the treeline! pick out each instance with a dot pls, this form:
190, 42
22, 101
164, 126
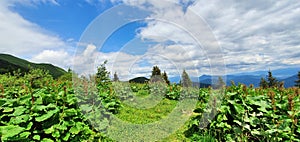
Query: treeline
157, 75
272, 82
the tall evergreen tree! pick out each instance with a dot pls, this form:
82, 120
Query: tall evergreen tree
272, 81
165, 77
220, 82
156, 71
185, 80
297, 82
116, 78
263, 83
156, 74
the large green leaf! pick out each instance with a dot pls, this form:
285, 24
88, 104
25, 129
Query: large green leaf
71, 112
29, 125
19, 110
19, 119
37, 137
10, 131
74, 130
8, 109
47, 115
47, 140
263, 105
77, 128
25, 134
50, 130
66, 137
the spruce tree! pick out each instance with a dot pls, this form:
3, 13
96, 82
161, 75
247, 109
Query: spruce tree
220, 82
156, 74
263, 83
165, 77
116, 78
297, 82
185, 80
155, 71
272, 81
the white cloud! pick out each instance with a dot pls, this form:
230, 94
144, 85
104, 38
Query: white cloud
89, 50
59, 58
87, 61
253, 35
25, 39
19, 36
193, 41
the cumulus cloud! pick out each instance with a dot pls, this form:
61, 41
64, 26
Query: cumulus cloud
23, 38
182, 29
19, 36
59, 58
199, 36
253, 35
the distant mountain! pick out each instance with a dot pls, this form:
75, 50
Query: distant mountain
244, 79
9, 63
247, 79
278, 73
290, 81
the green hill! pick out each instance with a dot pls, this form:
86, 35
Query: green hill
139, 80
9, 63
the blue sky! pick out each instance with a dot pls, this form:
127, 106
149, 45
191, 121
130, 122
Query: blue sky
203, 37
68, 19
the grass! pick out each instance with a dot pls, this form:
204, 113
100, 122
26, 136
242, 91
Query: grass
148, 116
144, 116
152, 116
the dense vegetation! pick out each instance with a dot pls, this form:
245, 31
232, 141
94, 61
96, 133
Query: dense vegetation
36, 107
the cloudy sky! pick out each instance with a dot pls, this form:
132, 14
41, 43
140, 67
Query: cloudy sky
202, 37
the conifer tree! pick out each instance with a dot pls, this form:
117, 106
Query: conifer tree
263, 83
165, 77
272, 81
155, 71
116, 78
297, 82
156, 74
185, 80
220, 82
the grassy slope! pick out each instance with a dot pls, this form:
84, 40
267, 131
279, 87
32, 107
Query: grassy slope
9, 63
144, 116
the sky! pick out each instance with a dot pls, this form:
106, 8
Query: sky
202, 37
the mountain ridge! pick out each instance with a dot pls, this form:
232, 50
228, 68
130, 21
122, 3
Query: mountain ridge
10, 63
288, 75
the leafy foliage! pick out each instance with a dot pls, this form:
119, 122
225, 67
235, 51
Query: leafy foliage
248, 114
102, 76
36, 107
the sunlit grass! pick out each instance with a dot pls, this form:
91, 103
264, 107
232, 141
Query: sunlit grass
144, 116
